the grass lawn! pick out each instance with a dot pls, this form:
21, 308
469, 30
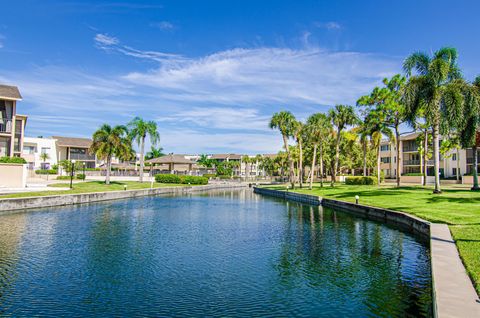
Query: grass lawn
456, 206
90, 186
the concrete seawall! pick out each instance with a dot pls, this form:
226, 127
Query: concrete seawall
16, 204
403, 220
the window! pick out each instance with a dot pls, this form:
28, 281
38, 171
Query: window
385, 159
384, 147
454, 158
454, 171
45, 150
28, 150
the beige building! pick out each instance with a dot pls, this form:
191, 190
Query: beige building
12, 124
410, 161
71, 148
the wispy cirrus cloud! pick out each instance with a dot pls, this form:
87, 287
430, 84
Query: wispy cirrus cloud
331, 25
163, 25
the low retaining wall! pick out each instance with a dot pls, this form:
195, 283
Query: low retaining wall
15, 204
403, 220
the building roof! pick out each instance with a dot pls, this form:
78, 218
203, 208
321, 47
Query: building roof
10, 92
225, 156
73, 142
270, 155
168, 159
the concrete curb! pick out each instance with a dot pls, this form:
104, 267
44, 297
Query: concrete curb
16, 204
453, 292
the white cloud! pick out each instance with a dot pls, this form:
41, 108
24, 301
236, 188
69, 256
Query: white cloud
105, 40
163, 25
328, 25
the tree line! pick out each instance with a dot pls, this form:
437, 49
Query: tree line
431, 97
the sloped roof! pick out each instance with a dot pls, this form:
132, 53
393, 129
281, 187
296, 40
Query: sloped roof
225, 156
73, 142
167, 159
10, 92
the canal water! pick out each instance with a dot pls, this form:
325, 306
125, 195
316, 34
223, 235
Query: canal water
215, 254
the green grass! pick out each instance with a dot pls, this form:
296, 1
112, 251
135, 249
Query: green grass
456, 206
89, 187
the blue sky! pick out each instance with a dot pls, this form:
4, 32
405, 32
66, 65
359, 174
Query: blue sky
211, 73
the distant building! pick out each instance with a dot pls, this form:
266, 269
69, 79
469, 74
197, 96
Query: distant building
72, 148
12, 124
33, 148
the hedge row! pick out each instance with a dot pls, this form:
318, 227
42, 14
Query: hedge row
12, 160
46, 171
361, 180
78, 176
173, 178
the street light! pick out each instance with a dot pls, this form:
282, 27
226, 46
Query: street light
84, 175
71, 173
356, 199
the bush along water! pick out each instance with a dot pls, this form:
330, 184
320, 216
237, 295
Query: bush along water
173, 178
361, 180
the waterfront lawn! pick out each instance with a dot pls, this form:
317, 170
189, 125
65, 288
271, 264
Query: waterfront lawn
90, 187
456, 206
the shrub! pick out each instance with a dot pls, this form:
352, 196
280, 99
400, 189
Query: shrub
173, 178
361, 180
209, 175
63, 178
416, 174
223, 177
168, 178
46, 171
194, 180
80, 176
12, 160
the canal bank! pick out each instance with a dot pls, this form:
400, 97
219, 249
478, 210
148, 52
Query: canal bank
453, 292
17, 204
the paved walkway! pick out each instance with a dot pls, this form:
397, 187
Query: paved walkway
455, 295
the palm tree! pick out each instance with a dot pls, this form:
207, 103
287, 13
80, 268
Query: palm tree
298, 134
341, 116
111, 141
427, 92
247, 161
469, 135
154, 153
138, 130
318, 128
284, 122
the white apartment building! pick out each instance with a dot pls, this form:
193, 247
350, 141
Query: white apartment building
34, 147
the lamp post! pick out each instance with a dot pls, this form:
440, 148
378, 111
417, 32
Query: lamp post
71, 173
84, 175
356, 199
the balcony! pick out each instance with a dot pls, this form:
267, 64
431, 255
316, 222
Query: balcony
470, 161
416, 162
410, 148
81, 157
5, 125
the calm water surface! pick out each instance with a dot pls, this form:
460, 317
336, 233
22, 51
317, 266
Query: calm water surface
227, 253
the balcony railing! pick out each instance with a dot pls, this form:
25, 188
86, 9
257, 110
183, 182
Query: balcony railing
81, 156
470, 161
410, 148
5, 125
416, 162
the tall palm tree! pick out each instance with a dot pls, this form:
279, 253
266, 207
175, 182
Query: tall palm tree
427, 91
469, 131
247, 161
341, 116
111, 141
138, 130
298, 134
284, 122
318, 128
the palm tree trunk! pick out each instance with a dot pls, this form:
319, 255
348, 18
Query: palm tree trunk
142, 158
379, 179
107, 174
436, 157
397, 144
457, 174
300, 168
290, 161
425, 157
337, 158
364, 158
312, 174
321, 166
475, 167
